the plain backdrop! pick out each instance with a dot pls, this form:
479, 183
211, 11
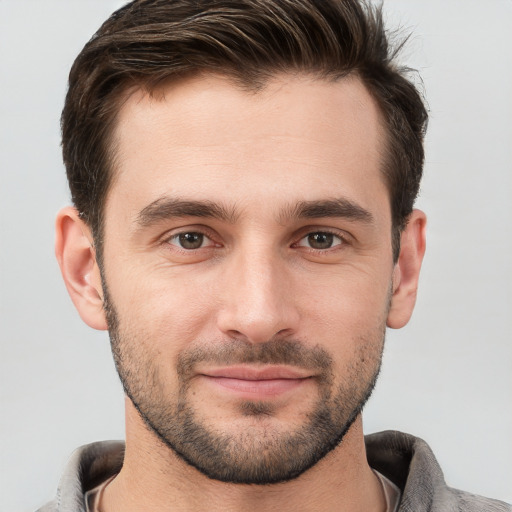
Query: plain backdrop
447, 376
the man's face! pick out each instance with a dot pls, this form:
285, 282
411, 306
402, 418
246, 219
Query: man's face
248, 265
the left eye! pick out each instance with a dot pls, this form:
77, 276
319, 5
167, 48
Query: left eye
190, 240
320, 240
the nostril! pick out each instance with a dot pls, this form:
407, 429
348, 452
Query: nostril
283, 333
232, 333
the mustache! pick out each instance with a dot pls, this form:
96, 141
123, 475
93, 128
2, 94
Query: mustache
275, 351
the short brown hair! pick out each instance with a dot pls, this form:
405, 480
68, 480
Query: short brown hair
148, 42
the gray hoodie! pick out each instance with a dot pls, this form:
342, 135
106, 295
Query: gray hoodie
405, 460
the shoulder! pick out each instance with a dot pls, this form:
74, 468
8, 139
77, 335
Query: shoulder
448, 499
409, 462
473, 503
87, 467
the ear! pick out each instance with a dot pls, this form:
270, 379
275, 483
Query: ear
407, 270
77, 260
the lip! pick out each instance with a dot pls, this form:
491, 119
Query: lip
257, 373
256, 383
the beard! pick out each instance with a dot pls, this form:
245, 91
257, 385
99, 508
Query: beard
261, 453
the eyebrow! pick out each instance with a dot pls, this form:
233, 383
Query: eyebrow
173, 207
170, 207
340, 207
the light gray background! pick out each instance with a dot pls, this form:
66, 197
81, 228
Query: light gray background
447, 376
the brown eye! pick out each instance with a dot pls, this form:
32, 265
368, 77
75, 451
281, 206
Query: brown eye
320, 240
191, 240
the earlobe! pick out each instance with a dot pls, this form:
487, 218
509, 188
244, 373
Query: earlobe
77, 260
407, 270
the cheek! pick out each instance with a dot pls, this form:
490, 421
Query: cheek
348, 316
170, 308
347, 297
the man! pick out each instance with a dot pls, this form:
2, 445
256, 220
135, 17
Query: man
243, 176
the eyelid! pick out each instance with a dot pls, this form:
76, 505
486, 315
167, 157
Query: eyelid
204, 242
341, 240
345, 237
203, 230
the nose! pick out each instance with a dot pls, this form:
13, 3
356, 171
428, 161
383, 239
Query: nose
258, 303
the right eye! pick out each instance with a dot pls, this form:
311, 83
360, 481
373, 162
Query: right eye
190, 240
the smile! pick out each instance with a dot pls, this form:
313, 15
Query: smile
257, 383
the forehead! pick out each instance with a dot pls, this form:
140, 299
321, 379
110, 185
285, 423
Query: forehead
205, 136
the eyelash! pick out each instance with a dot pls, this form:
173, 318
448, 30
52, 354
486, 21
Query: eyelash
193, 231
343, 240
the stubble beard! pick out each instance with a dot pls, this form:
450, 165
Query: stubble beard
262, 454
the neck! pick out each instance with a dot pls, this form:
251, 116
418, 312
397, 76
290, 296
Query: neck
154, 478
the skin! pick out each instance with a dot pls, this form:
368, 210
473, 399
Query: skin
256, 276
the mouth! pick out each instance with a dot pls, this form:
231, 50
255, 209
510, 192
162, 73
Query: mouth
256, 383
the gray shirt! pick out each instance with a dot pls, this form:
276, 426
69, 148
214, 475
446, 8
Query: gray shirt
405, 460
